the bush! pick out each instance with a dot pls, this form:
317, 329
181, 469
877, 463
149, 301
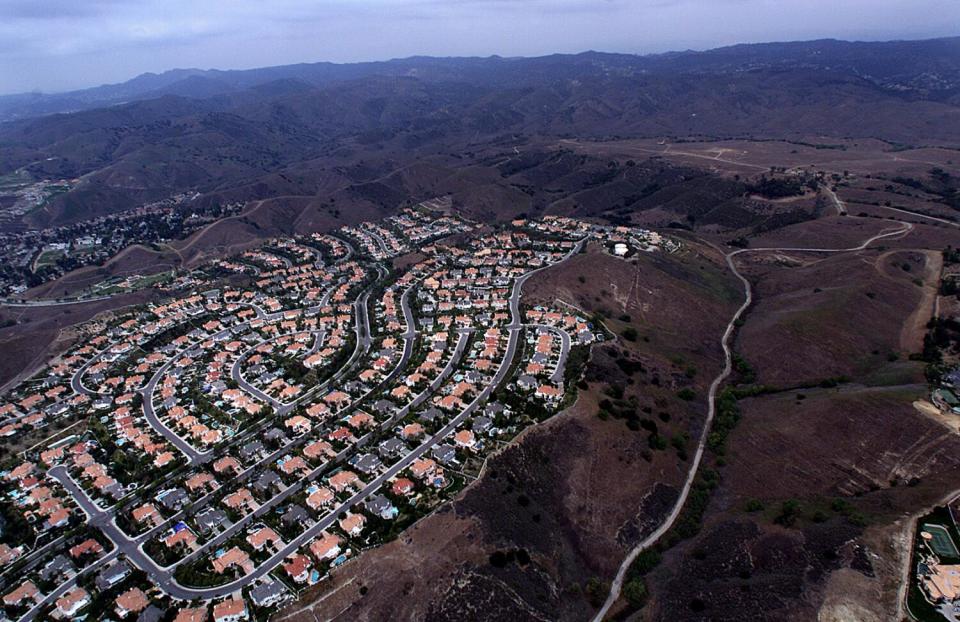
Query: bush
686, 394
630, 333
596, 591
789, 513
635, 591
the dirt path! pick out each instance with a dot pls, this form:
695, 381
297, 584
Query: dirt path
915, 326
617, 584
840, 205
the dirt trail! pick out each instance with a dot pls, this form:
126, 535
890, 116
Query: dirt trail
915, 326
617, 585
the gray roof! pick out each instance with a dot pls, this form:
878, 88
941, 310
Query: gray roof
150, 614
173, 499
266, 480
251, 449
430, 414
392, 447
368, 463
378, 504
210, 518
295, 514
265, 592
384, 406
444, 453
55, 567
493, 408
481, 424
113, 574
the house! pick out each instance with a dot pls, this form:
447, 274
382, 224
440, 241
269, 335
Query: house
131, 601
87, 547
174, 499
423, 468
252, 451
268, 594
112, 575
200, 481
361, 420
151, 614
342, 480
481, 425
411, 431
59, 566
391, 447
181, 536
384, 407
230, 610
198, 614
275, 437
352, 524
298, 568
341, 434
402, 487
298, 424
526, 381
368, 463
9, 554
294, 516
235, 557
549, 392
25, 591
267, 482
227, 464
209, 520
318, 449
327, 546
72, 602
242, 498
445, 454
262, 538
147, 513
319, 498
465, 439
430, 415
379, 505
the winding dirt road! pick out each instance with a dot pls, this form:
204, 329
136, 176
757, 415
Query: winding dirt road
664, 527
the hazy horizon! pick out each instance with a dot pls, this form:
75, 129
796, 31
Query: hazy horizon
62, 45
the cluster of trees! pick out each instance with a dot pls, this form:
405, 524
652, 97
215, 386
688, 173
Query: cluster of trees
781, 187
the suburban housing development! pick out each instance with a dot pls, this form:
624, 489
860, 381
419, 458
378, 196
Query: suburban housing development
213, 454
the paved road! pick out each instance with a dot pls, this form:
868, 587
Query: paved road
557, 376
76, 380
665, 526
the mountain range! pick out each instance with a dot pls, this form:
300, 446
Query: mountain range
211, 131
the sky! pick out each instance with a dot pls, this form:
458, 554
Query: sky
58, 45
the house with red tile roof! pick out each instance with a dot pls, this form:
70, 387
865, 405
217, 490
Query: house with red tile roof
130, 602
353, 524
298, 568
230, 610
327, 546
